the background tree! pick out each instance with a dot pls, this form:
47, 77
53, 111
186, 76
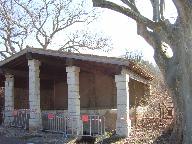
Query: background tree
86, 39
39, 22
13, 28
172, 45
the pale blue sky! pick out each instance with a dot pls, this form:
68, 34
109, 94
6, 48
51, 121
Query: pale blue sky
122, 29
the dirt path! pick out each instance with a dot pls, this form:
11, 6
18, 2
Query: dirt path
10, 140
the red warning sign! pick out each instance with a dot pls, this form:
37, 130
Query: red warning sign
14, 112
51, 116
85, 118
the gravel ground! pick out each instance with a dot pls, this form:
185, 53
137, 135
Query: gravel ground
19, 136
11, 140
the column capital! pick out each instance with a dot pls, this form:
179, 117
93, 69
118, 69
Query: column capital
122, 78
34, 63
124, 71
9, 76
72, 69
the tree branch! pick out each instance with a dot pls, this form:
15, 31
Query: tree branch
184, 10
126, 11
158, 35
155, 41
12, 26
131, 5
86, 41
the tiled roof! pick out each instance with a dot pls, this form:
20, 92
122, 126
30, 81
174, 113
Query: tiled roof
85, 57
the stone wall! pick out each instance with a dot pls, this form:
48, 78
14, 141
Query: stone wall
105, 91
97, 95
96, 91
21, 98
60, 94
136, 91
21, 93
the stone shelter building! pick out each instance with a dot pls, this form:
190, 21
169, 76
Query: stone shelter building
46, 80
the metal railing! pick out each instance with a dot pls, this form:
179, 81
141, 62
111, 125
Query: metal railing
61, 123
54, 122
93, 125
90, 125
85, 125
21, 118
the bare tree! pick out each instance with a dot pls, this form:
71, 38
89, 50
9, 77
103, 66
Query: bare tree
13, 28
158, 8
52, 16
86, 39
41, 21
172, 45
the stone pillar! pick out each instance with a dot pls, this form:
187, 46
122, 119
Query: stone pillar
147, 89
74, 98
35, 121
9, 99
123, 123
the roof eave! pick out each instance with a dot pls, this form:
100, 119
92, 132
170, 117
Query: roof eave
7, 60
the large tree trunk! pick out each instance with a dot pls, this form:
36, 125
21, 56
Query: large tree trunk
177, 69
178, 75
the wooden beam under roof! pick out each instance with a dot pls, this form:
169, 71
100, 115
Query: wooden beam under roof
25, 74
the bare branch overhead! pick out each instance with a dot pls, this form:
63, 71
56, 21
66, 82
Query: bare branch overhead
61, 15
40, 22
82, 40
13, 28
126, 11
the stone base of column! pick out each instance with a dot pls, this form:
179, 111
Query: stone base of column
75, 125
7, 121
35, 125
123, 128
8, 118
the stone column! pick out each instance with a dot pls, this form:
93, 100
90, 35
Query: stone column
74, 98
9, 99
35, 121
123, 123
147, 89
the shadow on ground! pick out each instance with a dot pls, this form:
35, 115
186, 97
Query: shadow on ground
164, 138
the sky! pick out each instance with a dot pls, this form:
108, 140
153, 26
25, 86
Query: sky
123, 30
